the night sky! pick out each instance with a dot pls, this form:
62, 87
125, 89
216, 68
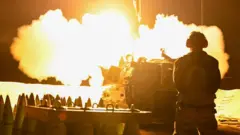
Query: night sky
222, 13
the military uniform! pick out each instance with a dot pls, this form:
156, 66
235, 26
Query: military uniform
195, 107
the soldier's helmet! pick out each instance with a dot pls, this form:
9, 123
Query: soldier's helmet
197, 40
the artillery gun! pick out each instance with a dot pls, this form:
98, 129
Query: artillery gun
149, 87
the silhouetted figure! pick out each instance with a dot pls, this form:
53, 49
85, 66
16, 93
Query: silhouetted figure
51, 80
86, 82
127, 68
197, 78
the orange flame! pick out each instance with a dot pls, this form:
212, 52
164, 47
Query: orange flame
70, 51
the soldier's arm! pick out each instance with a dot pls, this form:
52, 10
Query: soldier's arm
215, 77
164, 55
177, 75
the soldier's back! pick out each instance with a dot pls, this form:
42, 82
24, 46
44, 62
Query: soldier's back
197, 78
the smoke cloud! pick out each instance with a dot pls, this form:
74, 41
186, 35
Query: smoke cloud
216, 47
172, 34
70, 51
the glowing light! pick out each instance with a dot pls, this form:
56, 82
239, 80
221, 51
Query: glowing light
72, 51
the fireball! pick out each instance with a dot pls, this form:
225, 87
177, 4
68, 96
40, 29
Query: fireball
70, 51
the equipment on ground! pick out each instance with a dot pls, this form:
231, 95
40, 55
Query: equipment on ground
56, 115
151, 88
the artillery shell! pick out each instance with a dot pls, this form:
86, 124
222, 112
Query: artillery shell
28, 123
89, 103
27, 99
78, 102
20, 113
23, 95
31, 100
58, 97
69, 102
37, 101
1, 108
63, 101
7, 118
18, 101
101, 103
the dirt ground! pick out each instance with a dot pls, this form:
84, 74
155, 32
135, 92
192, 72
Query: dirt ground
165, 133
223, 130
